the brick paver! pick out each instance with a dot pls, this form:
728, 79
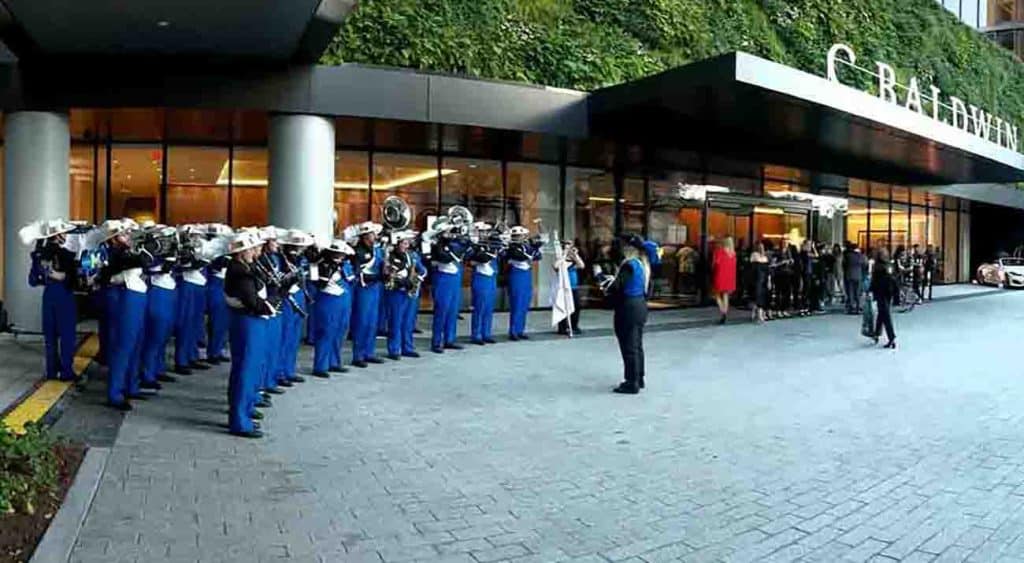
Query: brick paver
791, 441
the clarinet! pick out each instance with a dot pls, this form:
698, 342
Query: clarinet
301, 276
276, 279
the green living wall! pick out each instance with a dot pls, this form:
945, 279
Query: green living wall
587, 44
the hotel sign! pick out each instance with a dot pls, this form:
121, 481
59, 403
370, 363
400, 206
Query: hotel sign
950, 110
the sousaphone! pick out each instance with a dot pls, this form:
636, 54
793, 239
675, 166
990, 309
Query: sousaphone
395, 214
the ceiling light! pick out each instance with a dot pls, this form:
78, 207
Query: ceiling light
163, 23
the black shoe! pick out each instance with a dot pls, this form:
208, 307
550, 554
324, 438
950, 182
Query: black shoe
264, 404
285, 383
641, 383
490, 341
275, 391
123, 406
150, 385
321, 374
477, 341
250, 434
297, 379
201, 366
394, 357
166, 378
138, 397
626, 389
256, 415
891, 345
337, 369
513, 338
523, 337
417, 331
437, 350
214, 361
374, 360
722, 320
411, 354
453, 346
576, 331
360, 364
182, 370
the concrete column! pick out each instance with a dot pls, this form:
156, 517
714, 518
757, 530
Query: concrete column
37, 155
301, 193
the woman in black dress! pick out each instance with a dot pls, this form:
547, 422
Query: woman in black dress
759, 273
884, 289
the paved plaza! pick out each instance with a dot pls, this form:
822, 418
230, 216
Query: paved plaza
793, 440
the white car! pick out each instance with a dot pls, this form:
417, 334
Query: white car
1004, 272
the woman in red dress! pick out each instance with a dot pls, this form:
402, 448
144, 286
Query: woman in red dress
723, 275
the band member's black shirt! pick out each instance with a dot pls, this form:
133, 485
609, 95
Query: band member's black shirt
242, 288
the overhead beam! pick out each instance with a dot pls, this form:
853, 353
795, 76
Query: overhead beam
322, 28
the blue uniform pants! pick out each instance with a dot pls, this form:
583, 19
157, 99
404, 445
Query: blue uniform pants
328, 338
291, 337
313, 292
383, 316
247, 357
189, 321
409, 324
160, 316
398, 303
218, 310
520, 292
272, 341
126, 346
366, 307
59, 317
446, 292
451, 329
485, 293
109, 302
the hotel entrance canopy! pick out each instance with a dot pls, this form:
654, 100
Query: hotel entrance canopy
753, 109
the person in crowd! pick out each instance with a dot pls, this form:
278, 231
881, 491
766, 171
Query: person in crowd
446, 256
219, 315
628, 293
783, 274
520, 256
334, 277
412, 312
293, 249
191, 305
483, 258
161, 315
807, 258
917, 274
884, 288
400, 281
246, 295
854, 265
931, 268
723, 276
571, 255
54, 268
368, 264
759, 274
834, 274
122, 276
270, 265
686, 259
901, 270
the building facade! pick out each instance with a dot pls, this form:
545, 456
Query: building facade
734, 146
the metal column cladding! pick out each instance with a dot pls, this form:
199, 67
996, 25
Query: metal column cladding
37, 147
301, 193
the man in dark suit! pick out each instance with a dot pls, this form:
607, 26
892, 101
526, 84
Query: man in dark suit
854, 266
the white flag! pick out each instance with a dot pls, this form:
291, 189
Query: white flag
562, 305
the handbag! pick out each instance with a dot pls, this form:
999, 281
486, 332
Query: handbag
867, 325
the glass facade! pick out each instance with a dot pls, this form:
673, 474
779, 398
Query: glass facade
191, 166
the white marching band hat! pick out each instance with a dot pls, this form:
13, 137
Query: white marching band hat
341, 247
482, 226
44, 229
111, 228
295, 237
399, 236
519, 231
368, 227
219, 230
244, 240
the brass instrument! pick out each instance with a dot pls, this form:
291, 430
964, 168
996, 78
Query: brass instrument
277, 279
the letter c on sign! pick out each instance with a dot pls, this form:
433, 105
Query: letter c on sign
832, 53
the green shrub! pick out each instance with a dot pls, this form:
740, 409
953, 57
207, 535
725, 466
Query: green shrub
29, 468
587, 44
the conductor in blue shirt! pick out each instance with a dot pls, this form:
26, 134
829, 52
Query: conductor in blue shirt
628, 291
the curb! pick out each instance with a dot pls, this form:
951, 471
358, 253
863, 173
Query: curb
61, 535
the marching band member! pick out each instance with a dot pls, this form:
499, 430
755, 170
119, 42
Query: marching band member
520, 256
484, 260
246, 296
334, 277
217, 309
54, 268
447, 287
161, 307
413, 310
629, 293
293, 258
271, 266
401, 282
368, 263
191, 306
126, 307
571, 255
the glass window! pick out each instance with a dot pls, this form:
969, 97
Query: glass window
82, 183
900, 194
197, 125
351, 188
969, 12
249, 187
857, 222
878, 233
533, 191
135, 182
676, 225
595, 210
197, 185
879, 191
949, 248
135, 124
918, 227
965, 247
352, 131
475, 184
405, 135
633, 205
858, 188
412, 178
776, 225
918, 196
899, 225
251, 127
88, 124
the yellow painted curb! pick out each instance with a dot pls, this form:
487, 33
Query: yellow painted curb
42, 399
